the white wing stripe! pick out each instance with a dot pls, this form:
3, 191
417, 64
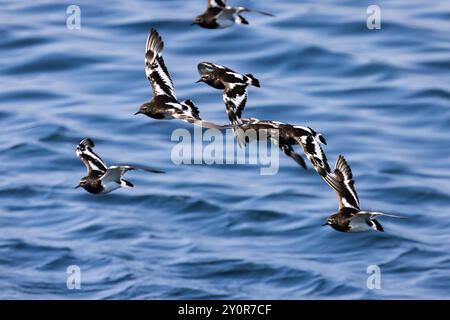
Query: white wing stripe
92, 164
237, 75
347, 204
350, 190
165, 78
237, 101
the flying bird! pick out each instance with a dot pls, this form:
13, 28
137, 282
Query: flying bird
101, 179
218, 15
164, 104
349, 218
234, 86
285, 136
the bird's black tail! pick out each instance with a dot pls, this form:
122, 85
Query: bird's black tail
240, 19
126, 184
377, 226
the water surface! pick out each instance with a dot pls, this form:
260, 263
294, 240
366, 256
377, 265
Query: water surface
380, 97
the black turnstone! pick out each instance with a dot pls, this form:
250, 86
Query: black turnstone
234, 86
218, 15
100, 178
285, 136
349, 218
164, 104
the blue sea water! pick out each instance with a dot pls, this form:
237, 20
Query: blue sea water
380, 97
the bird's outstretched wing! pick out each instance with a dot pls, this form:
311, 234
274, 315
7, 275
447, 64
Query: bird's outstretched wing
91, 160
280, 141
255, 129
155, 69
272, 132
235, 98
234, 87
224, 75
304, 131
314, 152
188, 112
186, 108
374, 214
343, 184
185, 111
115, 173
197, 122
289, 151
243, 9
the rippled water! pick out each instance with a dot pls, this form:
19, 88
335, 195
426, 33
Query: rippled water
381, 98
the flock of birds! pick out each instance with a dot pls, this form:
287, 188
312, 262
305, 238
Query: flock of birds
101, 179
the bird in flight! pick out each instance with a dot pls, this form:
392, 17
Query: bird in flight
285, 136
101, 179
234, 86
350, 217
218, 15
164, 104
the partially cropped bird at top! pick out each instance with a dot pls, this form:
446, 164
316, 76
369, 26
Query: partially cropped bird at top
218, 15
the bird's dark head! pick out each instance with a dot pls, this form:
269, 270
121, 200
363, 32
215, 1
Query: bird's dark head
144, 109
331, 221
90, 184
200, 20
207, 73
204, 78
84, 182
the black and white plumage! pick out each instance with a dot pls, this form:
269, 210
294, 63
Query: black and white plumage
349, 218
164, 104
313, 151
102, 179
285, 136
218, 15
234, 86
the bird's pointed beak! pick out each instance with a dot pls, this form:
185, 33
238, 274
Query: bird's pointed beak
138, 112
193, 23
325, 224
77, 186
199, 80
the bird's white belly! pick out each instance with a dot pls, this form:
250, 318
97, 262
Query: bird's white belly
226, 19
110, 186
356, 226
